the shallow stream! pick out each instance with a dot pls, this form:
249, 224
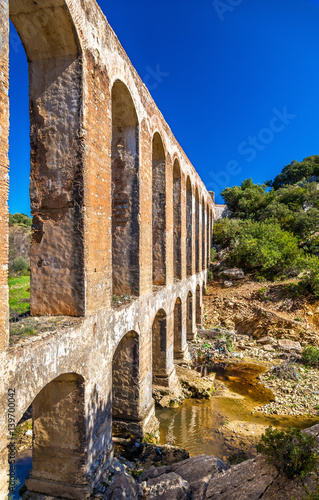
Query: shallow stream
226, 424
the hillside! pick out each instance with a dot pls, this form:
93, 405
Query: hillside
272, 232
19, 243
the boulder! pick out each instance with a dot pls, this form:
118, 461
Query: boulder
268, 348
289, 345
232, 274
266, 340
198, 471
166, 487
248, 480
152, 473
200, 387
228, 284
122, 487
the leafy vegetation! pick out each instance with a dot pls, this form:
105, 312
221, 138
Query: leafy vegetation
20, 219
20, 265
291, 451
19, 244
19, 296
273, 227
310, 356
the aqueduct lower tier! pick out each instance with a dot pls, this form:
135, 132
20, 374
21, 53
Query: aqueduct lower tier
118, 212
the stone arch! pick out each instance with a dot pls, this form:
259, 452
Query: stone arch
125, 382
159, 210
178, 329
198, 306
159, 347
53, 50
196, 230
203, 235
125, 192
59, 439
177, 220
189, 316
189, 227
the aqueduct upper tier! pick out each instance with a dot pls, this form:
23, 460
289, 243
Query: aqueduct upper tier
120, 216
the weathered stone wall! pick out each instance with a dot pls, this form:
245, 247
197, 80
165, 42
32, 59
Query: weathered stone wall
177, 214
108, 179
189, 227
125, 193
221, 211
159, 212
4, 172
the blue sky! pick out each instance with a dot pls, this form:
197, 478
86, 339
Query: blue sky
236, 80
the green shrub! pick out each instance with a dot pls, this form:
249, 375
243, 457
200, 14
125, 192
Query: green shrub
21, 219
291, 451
20, 265
310, 281
267, 249
310, 356
213, 254
210, 276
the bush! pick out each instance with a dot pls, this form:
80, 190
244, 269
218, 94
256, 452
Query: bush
310, 281
20, 219
285, 371
268, 249
213, 255
291, 451
20, 265
310, 356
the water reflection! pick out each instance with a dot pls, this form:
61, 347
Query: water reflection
23, 467
225, 424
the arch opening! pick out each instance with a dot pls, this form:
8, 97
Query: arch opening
189, 317
125, 384
178, 330
125, 193
59, 455
197, 231
159, 210
49, 38
177, 220
198, 306
159, 347
189, 227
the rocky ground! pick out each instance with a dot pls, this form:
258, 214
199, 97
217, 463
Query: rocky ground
250, 330
263, 324
203, 478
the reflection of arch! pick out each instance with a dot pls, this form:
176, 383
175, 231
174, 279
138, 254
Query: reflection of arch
178, 329
203, 235
159, 345
59, 438
189, 227
196, 231
189, 316
198, 306
125, 381
125, 192
56, 188
159, 210
177, 220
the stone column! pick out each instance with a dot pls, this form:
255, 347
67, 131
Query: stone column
180, 332
59, 456
4, 173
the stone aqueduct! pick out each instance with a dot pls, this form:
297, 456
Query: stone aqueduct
117, 210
